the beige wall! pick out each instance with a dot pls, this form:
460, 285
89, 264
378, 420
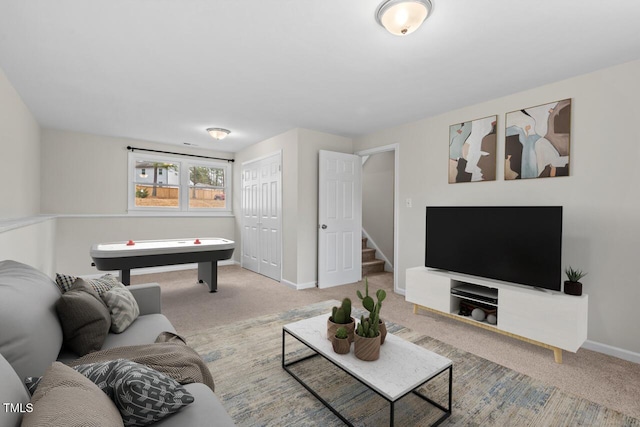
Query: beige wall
32, 244
19, 155
87, 174
299, 196
377, 200
85, 181
600, 198
22, 237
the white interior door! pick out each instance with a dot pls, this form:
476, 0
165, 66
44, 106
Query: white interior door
270, 217
262, 216
250, 217
340, 219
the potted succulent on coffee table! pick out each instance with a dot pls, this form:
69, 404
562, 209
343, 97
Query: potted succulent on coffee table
573, 285
341, 316
340, 341
367, 302
368, 337
366, 345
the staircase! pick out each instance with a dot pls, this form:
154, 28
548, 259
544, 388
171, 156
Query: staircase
370, 264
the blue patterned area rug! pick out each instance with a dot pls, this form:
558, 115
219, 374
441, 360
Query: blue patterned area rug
245, 360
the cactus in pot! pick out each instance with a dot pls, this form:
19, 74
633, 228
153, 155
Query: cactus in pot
340, 341
368, 338
374, 307
341, 316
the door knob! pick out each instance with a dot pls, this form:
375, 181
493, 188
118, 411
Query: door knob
324, 226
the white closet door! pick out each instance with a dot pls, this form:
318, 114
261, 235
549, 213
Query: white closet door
262, 216
250, 217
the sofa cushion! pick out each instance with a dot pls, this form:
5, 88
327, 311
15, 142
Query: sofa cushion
11, 391
122, 306
31, 335
84, 317
67, 398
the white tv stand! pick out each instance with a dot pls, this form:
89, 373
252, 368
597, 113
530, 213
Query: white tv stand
549, 319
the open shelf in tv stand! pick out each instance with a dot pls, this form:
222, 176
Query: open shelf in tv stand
550, 319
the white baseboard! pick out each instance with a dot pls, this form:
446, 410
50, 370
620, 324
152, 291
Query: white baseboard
161, 269
610, 350
298, 286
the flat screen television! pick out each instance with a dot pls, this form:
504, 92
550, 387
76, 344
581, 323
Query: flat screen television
517, 244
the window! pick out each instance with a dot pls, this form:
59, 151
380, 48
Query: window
168, 184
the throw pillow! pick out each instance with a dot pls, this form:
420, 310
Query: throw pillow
142, 395
67, 398
104, 283
101, 285
122, 306
84, 318
65, 282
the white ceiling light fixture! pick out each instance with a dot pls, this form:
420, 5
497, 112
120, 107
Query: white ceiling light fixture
218, 133
402, 17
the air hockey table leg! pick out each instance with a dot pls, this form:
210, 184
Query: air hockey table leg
125, 277
208, 273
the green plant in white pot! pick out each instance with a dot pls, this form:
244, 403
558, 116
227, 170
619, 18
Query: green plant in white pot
573, 285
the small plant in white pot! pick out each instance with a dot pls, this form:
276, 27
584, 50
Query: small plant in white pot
573, 285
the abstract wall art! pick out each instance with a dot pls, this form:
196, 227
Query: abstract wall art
472, 150
537, 141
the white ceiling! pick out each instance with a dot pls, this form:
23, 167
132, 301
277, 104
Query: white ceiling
164, 70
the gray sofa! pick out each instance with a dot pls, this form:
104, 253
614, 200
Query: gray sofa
31, 340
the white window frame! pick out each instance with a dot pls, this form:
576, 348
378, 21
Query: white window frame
183, 164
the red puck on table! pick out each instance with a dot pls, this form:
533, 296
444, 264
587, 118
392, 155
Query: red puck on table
197, 242
130, 243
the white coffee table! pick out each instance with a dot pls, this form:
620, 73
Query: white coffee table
402, 368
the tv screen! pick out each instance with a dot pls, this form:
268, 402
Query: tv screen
517, 244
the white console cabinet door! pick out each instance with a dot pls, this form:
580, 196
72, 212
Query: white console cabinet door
552, 318
428, 290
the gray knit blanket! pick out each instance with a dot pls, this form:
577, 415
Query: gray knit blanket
174, 359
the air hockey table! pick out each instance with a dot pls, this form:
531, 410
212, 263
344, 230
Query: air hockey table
124, 256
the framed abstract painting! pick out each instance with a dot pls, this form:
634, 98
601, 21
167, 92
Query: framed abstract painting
537, 141
472, 150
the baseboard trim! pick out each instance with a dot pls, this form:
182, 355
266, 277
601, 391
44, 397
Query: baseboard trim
161, 269
298, 286
610, 350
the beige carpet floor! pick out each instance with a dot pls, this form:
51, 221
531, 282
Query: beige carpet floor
242, 295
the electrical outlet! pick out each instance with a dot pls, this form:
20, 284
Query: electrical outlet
409, 203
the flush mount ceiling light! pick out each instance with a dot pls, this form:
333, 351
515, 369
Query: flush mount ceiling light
402, 17
218, 133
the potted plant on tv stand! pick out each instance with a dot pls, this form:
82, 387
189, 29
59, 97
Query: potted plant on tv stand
573, 285
341, 316
368, 303
340, 341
